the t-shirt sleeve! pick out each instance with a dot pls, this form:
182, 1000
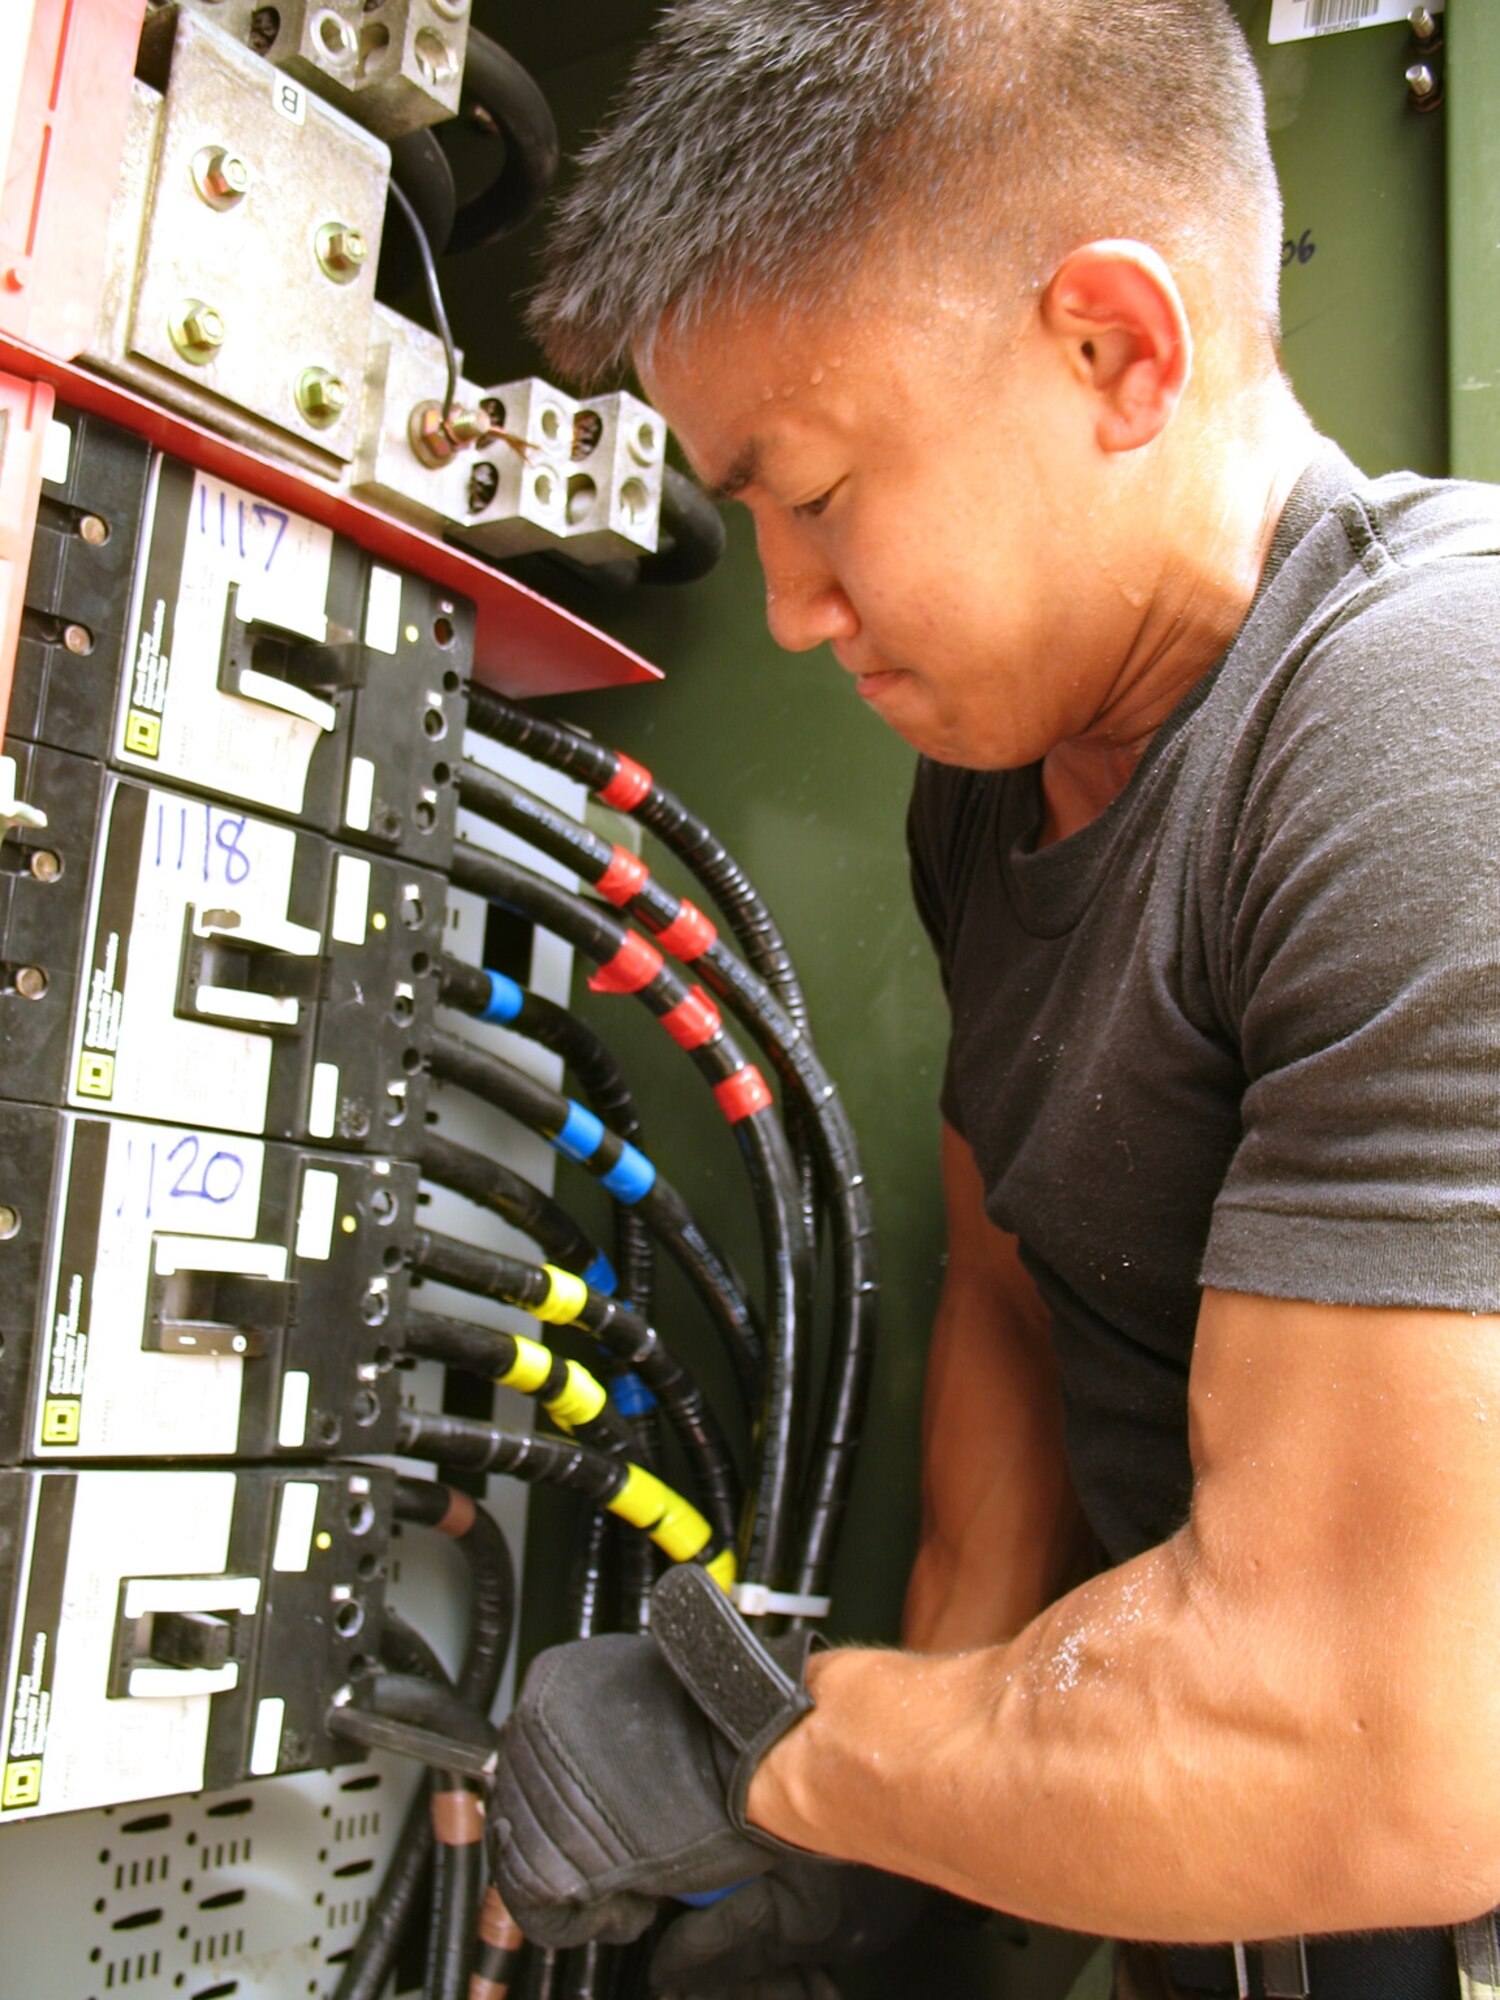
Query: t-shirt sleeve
1358, 961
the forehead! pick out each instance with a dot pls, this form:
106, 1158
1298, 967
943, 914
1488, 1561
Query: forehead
747, 389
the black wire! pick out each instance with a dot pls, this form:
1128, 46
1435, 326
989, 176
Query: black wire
637, 1344
837, 1160
434, 294
544, 1110
603, 1084
491, 1184
771, 1528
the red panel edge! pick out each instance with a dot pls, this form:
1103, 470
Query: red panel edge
26, 407
523, 644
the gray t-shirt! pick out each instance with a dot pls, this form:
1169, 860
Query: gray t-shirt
1244, 1029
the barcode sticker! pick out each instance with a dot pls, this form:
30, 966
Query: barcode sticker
1300, 20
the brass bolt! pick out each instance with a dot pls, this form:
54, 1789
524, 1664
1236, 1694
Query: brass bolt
220, 176
93, 530
31, 982
342, 251
197, 331
78, 639
45, 865
321, 397
436, 442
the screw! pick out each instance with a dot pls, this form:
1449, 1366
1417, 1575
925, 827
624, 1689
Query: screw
10, 1221
434, 442
31, 982
342, 251
321, 397
45, 865
93, 530
197, 331
1423, 24
78, 639
1422, 88
220, 176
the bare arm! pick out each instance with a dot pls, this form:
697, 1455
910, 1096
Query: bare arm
1002, 1531
1281, 1720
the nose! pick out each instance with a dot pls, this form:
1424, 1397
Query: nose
805, 602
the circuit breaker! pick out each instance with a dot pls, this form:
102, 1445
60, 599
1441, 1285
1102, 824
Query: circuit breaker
169, 1631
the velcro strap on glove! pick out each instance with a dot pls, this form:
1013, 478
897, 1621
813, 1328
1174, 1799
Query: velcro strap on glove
745, 1692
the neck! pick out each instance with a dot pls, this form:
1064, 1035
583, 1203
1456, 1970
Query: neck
1205, 584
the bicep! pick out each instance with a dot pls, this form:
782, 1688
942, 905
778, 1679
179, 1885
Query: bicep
1347, 1495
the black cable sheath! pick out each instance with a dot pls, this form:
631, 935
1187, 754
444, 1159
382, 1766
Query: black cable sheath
787, 1249
694, 843
491, 1184
492, 1609
490, 1352
636, 1346
837, 1159
510, 106
533, 1104
602, 1082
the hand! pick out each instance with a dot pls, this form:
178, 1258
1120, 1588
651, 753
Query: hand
614, 1788
801, 1914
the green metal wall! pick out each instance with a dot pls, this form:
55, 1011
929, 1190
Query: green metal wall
809, 789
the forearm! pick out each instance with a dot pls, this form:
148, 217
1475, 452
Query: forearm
1154, 1757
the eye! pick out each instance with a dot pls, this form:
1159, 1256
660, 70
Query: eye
811, 509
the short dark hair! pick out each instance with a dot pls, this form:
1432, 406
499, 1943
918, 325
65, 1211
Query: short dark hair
762, 150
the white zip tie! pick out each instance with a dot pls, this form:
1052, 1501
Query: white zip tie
758, 1600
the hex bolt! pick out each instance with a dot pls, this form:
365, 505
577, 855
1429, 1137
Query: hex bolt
220, 176
78, 639
197, 331
31, 982
342, 250
93, 530
45, 865
321, 396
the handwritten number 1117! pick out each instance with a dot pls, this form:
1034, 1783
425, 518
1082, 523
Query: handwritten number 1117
224, 520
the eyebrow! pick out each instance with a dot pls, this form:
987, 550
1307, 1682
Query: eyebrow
741, 473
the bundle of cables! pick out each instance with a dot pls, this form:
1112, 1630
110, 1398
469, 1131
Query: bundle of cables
626, 1405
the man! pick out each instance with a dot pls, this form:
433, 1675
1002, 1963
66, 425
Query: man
973, 305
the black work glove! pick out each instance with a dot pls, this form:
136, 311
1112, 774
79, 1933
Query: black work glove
801, 1914
617, 1785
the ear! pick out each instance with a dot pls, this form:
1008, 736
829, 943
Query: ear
1116, 309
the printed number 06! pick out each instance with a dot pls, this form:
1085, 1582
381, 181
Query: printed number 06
1300, 252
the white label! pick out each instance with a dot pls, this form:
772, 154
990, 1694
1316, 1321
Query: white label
1300, 20
199, 1189
291, 1431
383, 611
196, 858
320, 1195
323, 1100
57, 452
172, 1683
290, 99
361, 794
129, 1525
351, 899
294, 1531
242, 559
265, 1745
